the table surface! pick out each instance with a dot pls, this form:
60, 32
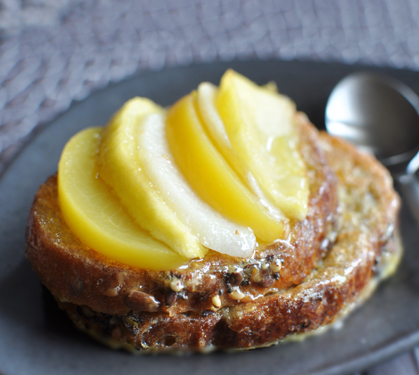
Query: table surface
54, 52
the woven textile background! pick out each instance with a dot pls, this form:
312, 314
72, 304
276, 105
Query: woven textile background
55, 51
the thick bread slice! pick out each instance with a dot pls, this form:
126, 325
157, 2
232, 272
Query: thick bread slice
74, 273
182, 309
365, 250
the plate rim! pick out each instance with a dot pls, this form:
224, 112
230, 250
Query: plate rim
355, 364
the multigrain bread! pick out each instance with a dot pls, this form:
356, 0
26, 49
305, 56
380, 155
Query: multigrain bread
219, 301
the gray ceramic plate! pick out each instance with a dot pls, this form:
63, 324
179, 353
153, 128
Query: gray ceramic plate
37, 338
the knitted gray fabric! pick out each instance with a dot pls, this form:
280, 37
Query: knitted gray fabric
55, 51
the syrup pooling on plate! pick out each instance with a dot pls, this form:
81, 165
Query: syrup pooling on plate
190, 191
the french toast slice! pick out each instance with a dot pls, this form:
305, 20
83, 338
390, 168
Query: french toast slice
219, 301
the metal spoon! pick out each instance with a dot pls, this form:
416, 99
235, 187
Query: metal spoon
380, 115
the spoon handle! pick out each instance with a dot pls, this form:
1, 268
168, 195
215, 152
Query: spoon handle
413, 165
410, 190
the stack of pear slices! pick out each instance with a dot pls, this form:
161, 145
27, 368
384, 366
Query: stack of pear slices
219, 170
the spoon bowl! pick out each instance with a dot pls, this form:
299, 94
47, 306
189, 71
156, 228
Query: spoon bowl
378, 114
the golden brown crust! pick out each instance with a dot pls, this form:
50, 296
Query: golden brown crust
263, 322
106, 297
91, 279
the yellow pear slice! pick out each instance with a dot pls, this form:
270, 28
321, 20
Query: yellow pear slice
210, 175
94, 214
259, 126
212, 229
122, 170
214, 126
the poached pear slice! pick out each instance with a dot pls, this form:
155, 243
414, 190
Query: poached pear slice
121, 167
96, 217
210, 227
259, 126
211, 176
214, 126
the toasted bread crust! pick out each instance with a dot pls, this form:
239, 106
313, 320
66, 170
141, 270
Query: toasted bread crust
261, 323
107, 286
201, 306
